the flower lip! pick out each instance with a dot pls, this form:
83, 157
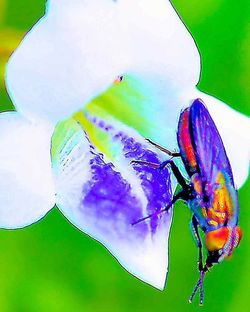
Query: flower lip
113, 194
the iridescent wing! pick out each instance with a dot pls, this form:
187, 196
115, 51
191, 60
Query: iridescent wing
208, 146
206, 161
214, 169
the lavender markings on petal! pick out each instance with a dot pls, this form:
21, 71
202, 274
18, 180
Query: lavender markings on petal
110, 197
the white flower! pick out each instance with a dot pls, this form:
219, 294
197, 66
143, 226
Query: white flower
70, 57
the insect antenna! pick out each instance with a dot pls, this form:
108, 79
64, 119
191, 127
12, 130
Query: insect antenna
199, 284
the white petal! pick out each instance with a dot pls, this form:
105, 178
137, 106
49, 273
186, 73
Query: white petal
234, 129
151, 109
159, 45
103, 194
78, 48
69, 56
26, 187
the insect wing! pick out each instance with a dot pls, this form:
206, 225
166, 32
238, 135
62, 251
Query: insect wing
208, 146
214, 172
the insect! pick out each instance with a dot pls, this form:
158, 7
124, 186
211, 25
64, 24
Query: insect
210, 192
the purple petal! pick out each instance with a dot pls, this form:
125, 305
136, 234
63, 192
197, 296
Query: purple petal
103, 195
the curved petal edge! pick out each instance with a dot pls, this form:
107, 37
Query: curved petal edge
26, 184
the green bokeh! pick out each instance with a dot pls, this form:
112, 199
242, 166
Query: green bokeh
51, 266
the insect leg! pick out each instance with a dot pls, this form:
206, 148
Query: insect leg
146, 163
149, 164
194, 227
163, 149
186, 192
173, 166
176, 173
175, 198
199, 284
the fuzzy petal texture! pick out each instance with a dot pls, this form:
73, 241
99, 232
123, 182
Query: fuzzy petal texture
26, 185
102, 194
72, 54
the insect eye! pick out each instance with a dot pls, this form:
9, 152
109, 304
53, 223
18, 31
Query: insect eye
216, 240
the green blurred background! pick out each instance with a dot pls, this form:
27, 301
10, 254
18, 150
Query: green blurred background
51, 266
